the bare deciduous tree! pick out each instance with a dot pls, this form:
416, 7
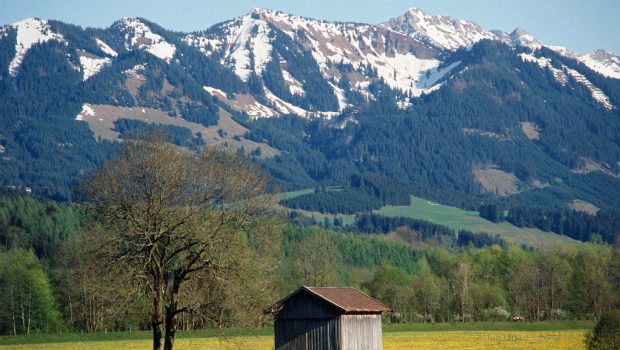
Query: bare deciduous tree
316, 260
170, 213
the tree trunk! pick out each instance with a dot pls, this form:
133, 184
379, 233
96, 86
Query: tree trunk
170, 330
21, 306
29, 315
157, 317
171, 313
13, 311
70, 312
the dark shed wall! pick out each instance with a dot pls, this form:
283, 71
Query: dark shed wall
307, 322
308, 334
361, 332
304, 306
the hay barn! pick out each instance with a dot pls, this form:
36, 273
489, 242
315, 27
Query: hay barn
328, 318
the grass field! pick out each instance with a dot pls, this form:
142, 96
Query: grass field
293, 194
470, 220
503, 335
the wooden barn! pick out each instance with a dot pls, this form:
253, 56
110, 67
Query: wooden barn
328, 318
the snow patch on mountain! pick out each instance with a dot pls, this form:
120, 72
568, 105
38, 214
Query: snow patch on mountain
30, 31
597, 94
543, 63
135, 70
106, 48
342, 100
283, 106
251, 107
245, 38
403, 103
206, 45
294, 86
287, 108
408, 73
215, 91
602, 62
139, 35
92, 65
87, 111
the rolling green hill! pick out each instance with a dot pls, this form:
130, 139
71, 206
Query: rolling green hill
459, 219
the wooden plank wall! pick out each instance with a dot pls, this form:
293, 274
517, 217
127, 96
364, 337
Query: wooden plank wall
307, 334
304, 306
361, 332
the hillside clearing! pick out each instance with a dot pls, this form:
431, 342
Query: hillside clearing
101, 118
496, 181
583, 206
460, 219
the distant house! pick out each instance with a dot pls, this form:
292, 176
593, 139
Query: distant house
328, 318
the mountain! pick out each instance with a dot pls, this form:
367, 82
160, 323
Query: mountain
442, 107
452, 34
316, 67
443, 32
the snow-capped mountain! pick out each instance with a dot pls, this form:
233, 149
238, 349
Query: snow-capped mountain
444, 32
419, 97
601, 61
310, 67
139, 36
29, 32
359, 53
452, 34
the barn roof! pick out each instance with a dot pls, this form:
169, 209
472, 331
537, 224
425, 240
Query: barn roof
347, 299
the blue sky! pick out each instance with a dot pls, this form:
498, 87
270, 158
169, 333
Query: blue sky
580, 25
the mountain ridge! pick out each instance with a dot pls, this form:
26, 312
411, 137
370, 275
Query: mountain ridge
371, 99
415, 23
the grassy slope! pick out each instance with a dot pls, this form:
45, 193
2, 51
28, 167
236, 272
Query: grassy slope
452, 217
293, 194
470, 220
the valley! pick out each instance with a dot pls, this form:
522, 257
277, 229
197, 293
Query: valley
156, 180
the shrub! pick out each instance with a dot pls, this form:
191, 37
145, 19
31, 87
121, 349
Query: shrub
606, 333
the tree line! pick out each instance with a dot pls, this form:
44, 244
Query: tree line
578, 225
467, 284
62, 288
602, 225
366, 191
